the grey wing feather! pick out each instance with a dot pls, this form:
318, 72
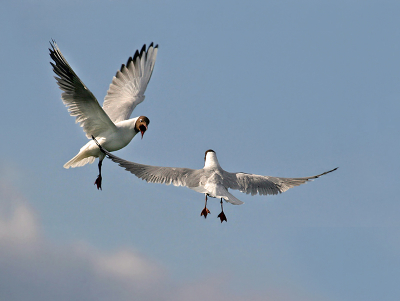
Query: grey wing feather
157, 174
263, 185
77, 97
129, 84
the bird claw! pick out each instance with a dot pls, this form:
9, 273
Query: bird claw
222, 217
98, 182
204, 212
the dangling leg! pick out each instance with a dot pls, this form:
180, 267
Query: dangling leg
205, 211
98, 180
222, 216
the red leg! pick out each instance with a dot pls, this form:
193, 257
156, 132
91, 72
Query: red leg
205, 211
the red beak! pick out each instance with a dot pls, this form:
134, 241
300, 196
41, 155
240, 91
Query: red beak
143, 129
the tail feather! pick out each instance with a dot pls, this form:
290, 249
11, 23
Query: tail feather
232, 199
79, 160
221, 192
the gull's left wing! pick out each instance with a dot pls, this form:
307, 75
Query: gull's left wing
129, 84
264, 185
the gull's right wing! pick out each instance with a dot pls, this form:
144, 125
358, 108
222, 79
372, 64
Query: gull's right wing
80, 101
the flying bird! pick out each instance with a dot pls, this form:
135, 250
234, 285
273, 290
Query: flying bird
212, 180
110, 124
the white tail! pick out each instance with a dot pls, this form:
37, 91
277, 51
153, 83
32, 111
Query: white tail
79, 160
232, 199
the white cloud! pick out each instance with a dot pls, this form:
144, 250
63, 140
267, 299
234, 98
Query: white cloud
21, 227
33, 268
18, 222
125, 265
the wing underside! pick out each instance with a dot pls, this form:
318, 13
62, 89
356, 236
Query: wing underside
80, 102
157, 174
127, 88
264, 185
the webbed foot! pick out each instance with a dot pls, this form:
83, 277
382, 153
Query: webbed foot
98, 182
205, 212
222, 216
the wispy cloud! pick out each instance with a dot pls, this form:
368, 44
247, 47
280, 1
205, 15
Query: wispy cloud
34, 268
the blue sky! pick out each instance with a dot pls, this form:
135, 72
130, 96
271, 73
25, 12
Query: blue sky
281, 88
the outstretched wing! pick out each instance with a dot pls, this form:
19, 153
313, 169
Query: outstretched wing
129, 84
80, 102
157, 174
263, 185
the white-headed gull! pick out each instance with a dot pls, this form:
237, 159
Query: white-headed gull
111, 124
212, 180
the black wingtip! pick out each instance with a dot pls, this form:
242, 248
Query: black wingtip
329, 171
143, 50
129, 60
137, 54
53, 45
94, 139
152, 45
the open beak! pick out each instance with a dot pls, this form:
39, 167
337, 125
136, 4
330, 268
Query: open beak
143, 129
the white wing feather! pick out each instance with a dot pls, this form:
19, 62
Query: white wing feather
263, 185
157, 174
129, 84
80, 102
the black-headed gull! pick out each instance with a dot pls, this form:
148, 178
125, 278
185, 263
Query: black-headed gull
212, 180
111, 124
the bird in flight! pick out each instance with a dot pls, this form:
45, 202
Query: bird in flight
110, 124
211, 180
